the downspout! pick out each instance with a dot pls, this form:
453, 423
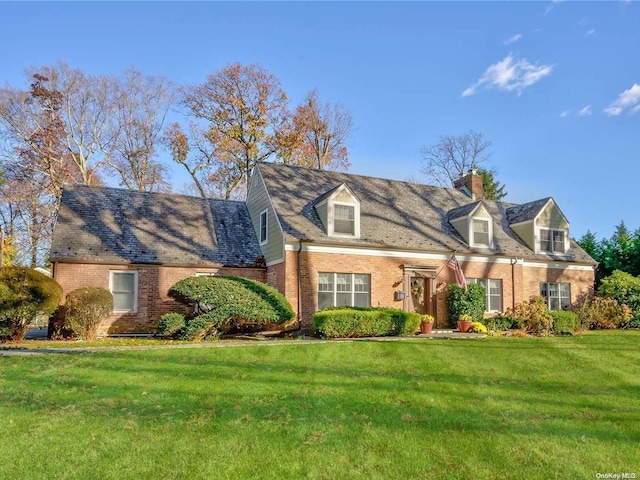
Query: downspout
514, 261
299, 285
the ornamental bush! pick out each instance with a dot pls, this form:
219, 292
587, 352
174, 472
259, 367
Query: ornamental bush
84, 309
471, 302
25, 294
501, 323
533, 315
171, 324
222, 301
565, 322
624, 288
350, 322
603, 313
477, 327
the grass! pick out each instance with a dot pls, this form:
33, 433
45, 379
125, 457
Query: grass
534, 408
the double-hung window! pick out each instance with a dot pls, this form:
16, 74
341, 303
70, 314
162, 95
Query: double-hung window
551, 241
343, 289
480, 232
558, 295
123, 285
493, 291
264, 232
344, 219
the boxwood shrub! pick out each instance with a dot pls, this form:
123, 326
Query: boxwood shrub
470, 301
501, 323
171, 325
565, 321
25, 294
224, 300
351, 322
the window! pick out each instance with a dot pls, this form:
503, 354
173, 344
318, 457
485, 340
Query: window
481, 232
344, 219
551, 240
263, 228
124, 288
344, 289
493, 291
558, 295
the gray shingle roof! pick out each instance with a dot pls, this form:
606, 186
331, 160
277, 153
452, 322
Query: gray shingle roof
102, 224
393, 214
526, 211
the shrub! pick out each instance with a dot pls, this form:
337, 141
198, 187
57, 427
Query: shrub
624, 288
85, 308
171, 325
351, 322
477, 327
533, 315
471, 302
603, 313
198, 329
25, 294
501, 323
565, 322
227, 300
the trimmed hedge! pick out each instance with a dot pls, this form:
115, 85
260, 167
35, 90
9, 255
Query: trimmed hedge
85, 308
501, 323
225, 300
565, 321
171, 324
24, 295
350, 322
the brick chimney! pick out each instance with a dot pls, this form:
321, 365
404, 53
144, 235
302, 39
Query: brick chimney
471, 184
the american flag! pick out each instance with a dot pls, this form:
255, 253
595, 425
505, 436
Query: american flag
455, 266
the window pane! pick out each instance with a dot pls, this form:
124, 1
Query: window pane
325, 282
343, 282
123, 282
564, 290
481, 232
495, 287
558, 241
343, 299
344, 219
545, 240
122, 301
361, 283
325, 300
362, 300
554, 304
263, 226
495, 304
544, 291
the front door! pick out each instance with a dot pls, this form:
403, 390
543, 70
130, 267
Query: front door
419, 294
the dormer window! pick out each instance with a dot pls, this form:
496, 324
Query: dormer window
552, 241
339, 211
344, 219
480, 232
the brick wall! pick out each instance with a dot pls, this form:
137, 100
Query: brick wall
386, 272
153, 284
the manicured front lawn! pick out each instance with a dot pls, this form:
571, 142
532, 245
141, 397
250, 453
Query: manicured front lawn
492, 408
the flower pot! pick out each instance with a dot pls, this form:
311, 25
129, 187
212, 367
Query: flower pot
425, 327
464, 326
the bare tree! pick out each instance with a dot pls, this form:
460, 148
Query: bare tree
453, 156
141, 104
323, 130
243, 106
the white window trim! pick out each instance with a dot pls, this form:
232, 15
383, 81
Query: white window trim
335, 287
135, 289
472, 232
265, 212
488, 295
559, 298
356, 219
551, 230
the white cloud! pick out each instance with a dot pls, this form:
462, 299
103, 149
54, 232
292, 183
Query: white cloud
585, 111
513, 39
628, 99
551, 5
590, 32
510, 75
565, 113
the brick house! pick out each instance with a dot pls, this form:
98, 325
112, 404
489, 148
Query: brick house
323, 239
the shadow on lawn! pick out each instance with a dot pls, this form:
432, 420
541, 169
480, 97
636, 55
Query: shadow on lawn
174, 387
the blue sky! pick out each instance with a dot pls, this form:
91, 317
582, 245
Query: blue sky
555, 86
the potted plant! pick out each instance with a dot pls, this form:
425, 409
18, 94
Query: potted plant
426, 324
464, 322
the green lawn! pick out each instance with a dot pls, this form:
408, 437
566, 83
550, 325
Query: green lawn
490, 408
